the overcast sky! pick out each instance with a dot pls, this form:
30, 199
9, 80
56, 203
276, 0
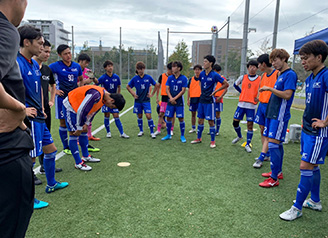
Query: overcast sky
141, 20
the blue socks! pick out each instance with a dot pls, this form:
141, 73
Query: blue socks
262, 156
304, 187
182, 128
84, 142
276, 160
249, 137
140, 124
315, 191
193, 127
151, 126
218, 124
212, 132
238, 131
106, 123
63, 136
200, 131
74, 149
119, 125
49, 167
168, 127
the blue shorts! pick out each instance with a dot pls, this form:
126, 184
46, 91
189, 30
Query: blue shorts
206, 111
313, 148
219, 107
139, 107
275, 129
105, 109
260, 114
193, 107
70, 119
59, 107
170, 110
240, 112
41, 137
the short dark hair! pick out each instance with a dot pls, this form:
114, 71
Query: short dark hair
177, 64
279, 53
211, 59
28, 32
61, 48
119, 100
315, 47
253, 62
198, 66
83, 57
46, 43
140, 65
169, 66
264, 58
217, 68
107, 62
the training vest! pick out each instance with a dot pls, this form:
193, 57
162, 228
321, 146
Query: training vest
270, 82
163, 84
194, 88
76, 96
219, 93
249, 89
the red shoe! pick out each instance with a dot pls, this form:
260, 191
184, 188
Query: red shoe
270, 182
267, 175
93, 138
196, 141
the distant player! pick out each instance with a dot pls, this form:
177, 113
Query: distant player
80, 107
248, 100
194, 95
142, 82
206, 108
269, 79
176, 86
314, 142
112, 83
278, 114
67, 75
218, 100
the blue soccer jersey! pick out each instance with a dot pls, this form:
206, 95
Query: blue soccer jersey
142, 86
66, 76
176, 86
316, 102
32, 81
110, 83
279, 108
208, 84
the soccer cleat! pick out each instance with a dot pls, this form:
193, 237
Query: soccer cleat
153, 135
125, 136
93, 149
258, 164
183, 139
140, 133
82, 166
67, 151
234, 141
39, 204
212, 145
291, 214
37, 181
157, 133
192, 131
93, 138
109, 135
167, 137
208, 133
268, 183
248, 149
172, 133
58, 185
90, 159
267, 175
309, 203
196, 141
218, 133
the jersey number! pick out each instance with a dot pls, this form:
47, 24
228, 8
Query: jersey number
70, 77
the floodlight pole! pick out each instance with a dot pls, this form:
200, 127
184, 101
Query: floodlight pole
227, 51
121, 52
245, 35
275, 28
167, 46
73, 42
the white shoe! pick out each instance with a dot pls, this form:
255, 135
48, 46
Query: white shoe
125, 136
291, 214
309, 203
83, 167
157, 133
153, 135
218, 133
109, 135
248, 149
171, 133
90, 159
258, 164
234, 141
192, 131
140, 133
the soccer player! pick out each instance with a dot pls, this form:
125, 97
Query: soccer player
47, 79
218, 100
278, 114
269, 79
31, 43
67, 75
314, 141
142, 82
16, 175
206, 108
194, 95
79, 108
112, 83
247, 102
162, 81
176, 86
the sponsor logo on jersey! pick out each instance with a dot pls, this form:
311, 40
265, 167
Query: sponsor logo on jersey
317, 85
64, 69
321, 159
74, 69
29, 73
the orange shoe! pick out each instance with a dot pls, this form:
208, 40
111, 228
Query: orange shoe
93, 138
267, 175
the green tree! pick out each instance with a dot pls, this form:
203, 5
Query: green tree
181, 54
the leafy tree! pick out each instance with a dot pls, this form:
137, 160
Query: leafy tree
181, 54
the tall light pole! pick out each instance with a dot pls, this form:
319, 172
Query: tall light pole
275, 28
167, 46
121, 52
73, 42
225, 73
214, 30
245, 35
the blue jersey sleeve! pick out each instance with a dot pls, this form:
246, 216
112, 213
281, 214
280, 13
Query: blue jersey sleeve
152, 81
101, 80
185, 82
131, 83
218, 78
290, 83
79, 70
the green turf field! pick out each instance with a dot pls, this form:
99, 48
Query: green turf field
173, 189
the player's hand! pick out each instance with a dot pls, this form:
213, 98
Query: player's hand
85, 127
31, 112
188, 103
45, 115
157, 101
264, 88
51, 104
256, 99
59, 92
218, 99
135, 96
172, 101
317, 123
77, 133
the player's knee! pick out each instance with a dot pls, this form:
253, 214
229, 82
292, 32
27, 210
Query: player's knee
235, 123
